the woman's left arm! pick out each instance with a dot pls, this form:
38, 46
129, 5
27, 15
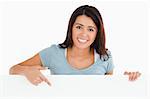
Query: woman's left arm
132, 75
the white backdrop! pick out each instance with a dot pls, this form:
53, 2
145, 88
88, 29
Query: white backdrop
28, 26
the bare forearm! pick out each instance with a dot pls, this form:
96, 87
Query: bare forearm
18, 70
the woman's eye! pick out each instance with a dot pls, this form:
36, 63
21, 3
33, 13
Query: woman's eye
91, 30
78, 27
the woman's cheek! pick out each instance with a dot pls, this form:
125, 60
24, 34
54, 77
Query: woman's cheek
93, 36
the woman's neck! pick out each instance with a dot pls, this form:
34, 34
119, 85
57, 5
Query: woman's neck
80, 53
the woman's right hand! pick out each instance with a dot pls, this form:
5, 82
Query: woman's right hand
34, 75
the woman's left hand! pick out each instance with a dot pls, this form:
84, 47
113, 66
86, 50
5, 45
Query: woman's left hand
132, 75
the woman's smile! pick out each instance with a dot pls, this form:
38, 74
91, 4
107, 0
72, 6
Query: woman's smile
82, 40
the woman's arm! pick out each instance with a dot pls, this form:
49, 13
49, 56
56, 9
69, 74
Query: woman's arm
132, 75
31, 70
22, 67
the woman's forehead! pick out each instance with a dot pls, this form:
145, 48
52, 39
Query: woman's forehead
85, 21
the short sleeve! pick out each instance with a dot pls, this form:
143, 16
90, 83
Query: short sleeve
45, 55
110, 65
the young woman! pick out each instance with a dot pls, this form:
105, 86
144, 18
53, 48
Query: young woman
83, 51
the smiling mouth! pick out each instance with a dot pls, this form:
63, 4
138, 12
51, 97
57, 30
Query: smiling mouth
82, 40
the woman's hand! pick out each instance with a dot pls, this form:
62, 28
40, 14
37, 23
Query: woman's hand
34, 75
132, 75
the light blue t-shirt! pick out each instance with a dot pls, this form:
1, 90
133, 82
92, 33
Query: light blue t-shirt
54, 58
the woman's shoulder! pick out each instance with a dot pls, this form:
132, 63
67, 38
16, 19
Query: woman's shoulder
52, 48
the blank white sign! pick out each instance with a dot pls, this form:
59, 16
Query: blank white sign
75, 86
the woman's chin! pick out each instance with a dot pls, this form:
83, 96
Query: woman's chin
82, 46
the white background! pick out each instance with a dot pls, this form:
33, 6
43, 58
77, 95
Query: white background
27, 27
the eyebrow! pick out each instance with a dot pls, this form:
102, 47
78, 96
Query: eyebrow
83, 25
79, 24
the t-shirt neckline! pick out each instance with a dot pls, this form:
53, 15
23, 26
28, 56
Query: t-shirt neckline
96, 58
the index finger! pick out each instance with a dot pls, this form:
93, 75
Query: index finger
127, 73
45, 79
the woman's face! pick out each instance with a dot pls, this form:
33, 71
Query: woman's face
84, 32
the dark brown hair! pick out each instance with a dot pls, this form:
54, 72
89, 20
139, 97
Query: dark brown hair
99, 42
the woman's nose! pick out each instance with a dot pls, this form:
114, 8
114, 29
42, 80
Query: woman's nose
84, 32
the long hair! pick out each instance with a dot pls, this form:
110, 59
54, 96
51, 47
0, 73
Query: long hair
99, 42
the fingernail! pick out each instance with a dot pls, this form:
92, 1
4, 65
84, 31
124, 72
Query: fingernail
49, 83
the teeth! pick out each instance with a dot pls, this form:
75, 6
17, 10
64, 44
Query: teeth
82, 41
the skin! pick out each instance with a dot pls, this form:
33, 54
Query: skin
79, 56
31, 70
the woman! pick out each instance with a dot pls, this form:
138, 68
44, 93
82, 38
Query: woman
83, 51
